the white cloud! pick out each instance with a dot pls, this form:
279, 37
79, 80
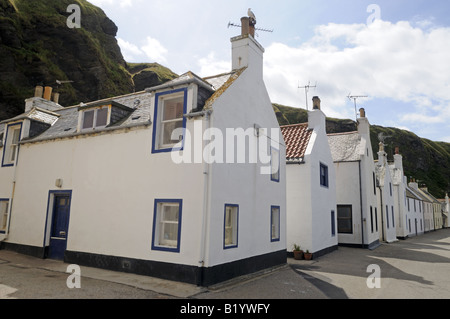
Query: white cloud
129, 51
154, 50
121, 3
210, 65
396, 62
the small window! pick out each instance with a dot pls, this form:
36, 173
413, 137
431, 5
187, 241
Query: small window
11, 148
345, 221
376, 219
95, 118
170, 108
4, 203
230, 236
371, 219
167, 225
323, 175
333, 224
274, 165
393, 216
387, 216
275, 223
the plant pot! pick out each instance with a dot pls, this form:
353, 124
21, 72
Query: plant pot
307, 256
298, 254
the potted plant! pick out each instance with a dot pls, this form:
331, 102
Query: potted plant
307, 255
298, 253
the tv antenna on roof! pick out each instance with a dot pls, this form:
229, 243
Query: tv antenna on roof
355, 97
307, 87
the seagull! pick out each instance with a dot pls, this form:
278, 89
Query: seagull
251, 14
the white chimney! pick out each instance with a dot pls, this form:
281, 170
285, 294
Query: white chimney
363, 123
246, 51
316, 118
398, 159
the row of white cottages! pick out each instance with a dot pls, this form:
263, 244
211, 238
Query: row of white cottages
187, 180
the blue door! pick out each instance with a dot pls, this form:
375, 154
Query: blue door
60, 226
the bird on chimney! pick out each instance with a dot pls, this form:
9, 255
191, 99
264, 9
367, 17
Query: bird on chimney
251, 15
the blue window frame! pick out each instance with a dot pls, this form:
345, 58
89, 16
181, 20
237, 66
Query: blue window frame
274, 164
11, 147
230, 226
170, 108
4, 205
274, 223
167, 215
323, 175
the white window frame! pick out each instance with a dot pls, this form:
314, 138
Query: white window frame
160, 222
275, 164
230, 226
275, 216
158, 144
94, 121
4, 210
11, 147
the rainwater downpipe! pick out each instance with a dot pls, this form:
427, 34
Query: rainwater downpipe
206, 201
12, 194
361, 205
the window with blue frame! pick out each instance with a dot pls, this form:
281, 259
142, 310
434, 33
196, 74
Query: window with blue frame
323, 175
231, 223
169, 120
275, 223
167, 224
4, 204
11, 147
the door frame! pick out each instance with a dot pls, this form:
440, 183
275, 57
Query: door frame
52, 194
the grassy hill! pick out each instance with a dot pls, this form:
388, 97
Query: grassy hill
426, 161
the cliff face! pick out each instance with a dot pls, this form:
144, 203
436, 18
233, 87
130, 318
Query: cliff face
38, 48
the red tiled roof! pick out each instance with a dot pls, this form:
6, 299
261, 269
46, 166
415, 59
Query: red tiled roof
296, 138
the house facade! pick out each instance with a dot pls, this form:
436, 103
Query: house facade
181, 181
386, 219
415, 217
310, 185
426, 207
356, 192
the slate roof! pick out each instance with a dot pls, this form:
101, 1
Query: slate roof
297, 138
345, 147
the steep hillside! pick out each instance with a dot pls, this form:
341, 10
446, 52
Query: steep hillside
38, 48
425, 160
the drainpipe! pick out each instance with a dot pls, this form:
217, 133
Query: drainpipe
361, 205
12, 194
206, 203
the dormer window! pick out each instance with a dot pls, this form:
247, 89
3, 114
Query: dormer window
170, 108
95, 118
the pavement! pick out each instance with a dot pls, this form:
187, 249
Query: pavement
417, 267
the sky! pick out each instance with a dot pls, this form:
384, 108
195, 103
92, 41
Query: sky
396, 53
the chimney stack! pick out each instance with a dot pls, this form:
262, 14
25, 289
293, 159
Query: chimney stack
362, 112
48, 93
316, 103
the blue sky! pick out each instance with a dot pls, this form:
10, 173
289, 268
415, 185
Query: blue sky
395, 52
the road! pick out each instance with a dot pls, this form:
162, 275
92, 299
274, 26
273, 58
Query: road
418, 267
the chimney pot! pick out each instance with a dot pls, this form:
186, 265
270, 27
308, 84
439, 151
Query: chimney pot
381, 146
56, 97
397, 150
38, 91
48, 93
316, 103
362, 112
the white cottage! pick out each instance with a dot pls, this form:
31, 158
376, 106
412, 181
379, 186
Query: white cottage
385, 196
356, 198
399, 185
182, 181
426, 208
415, 218
310, 185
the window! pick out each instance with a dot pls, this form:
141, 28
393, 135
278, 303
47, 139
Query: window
376, 219
170, 108
323, 175
230, 235
10, 151
345, 221
333, 224
167, 224
371, 219
275, 165
4, 203
390, 189
374, 184
393, 216
275, 223
387, 216
95, 118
